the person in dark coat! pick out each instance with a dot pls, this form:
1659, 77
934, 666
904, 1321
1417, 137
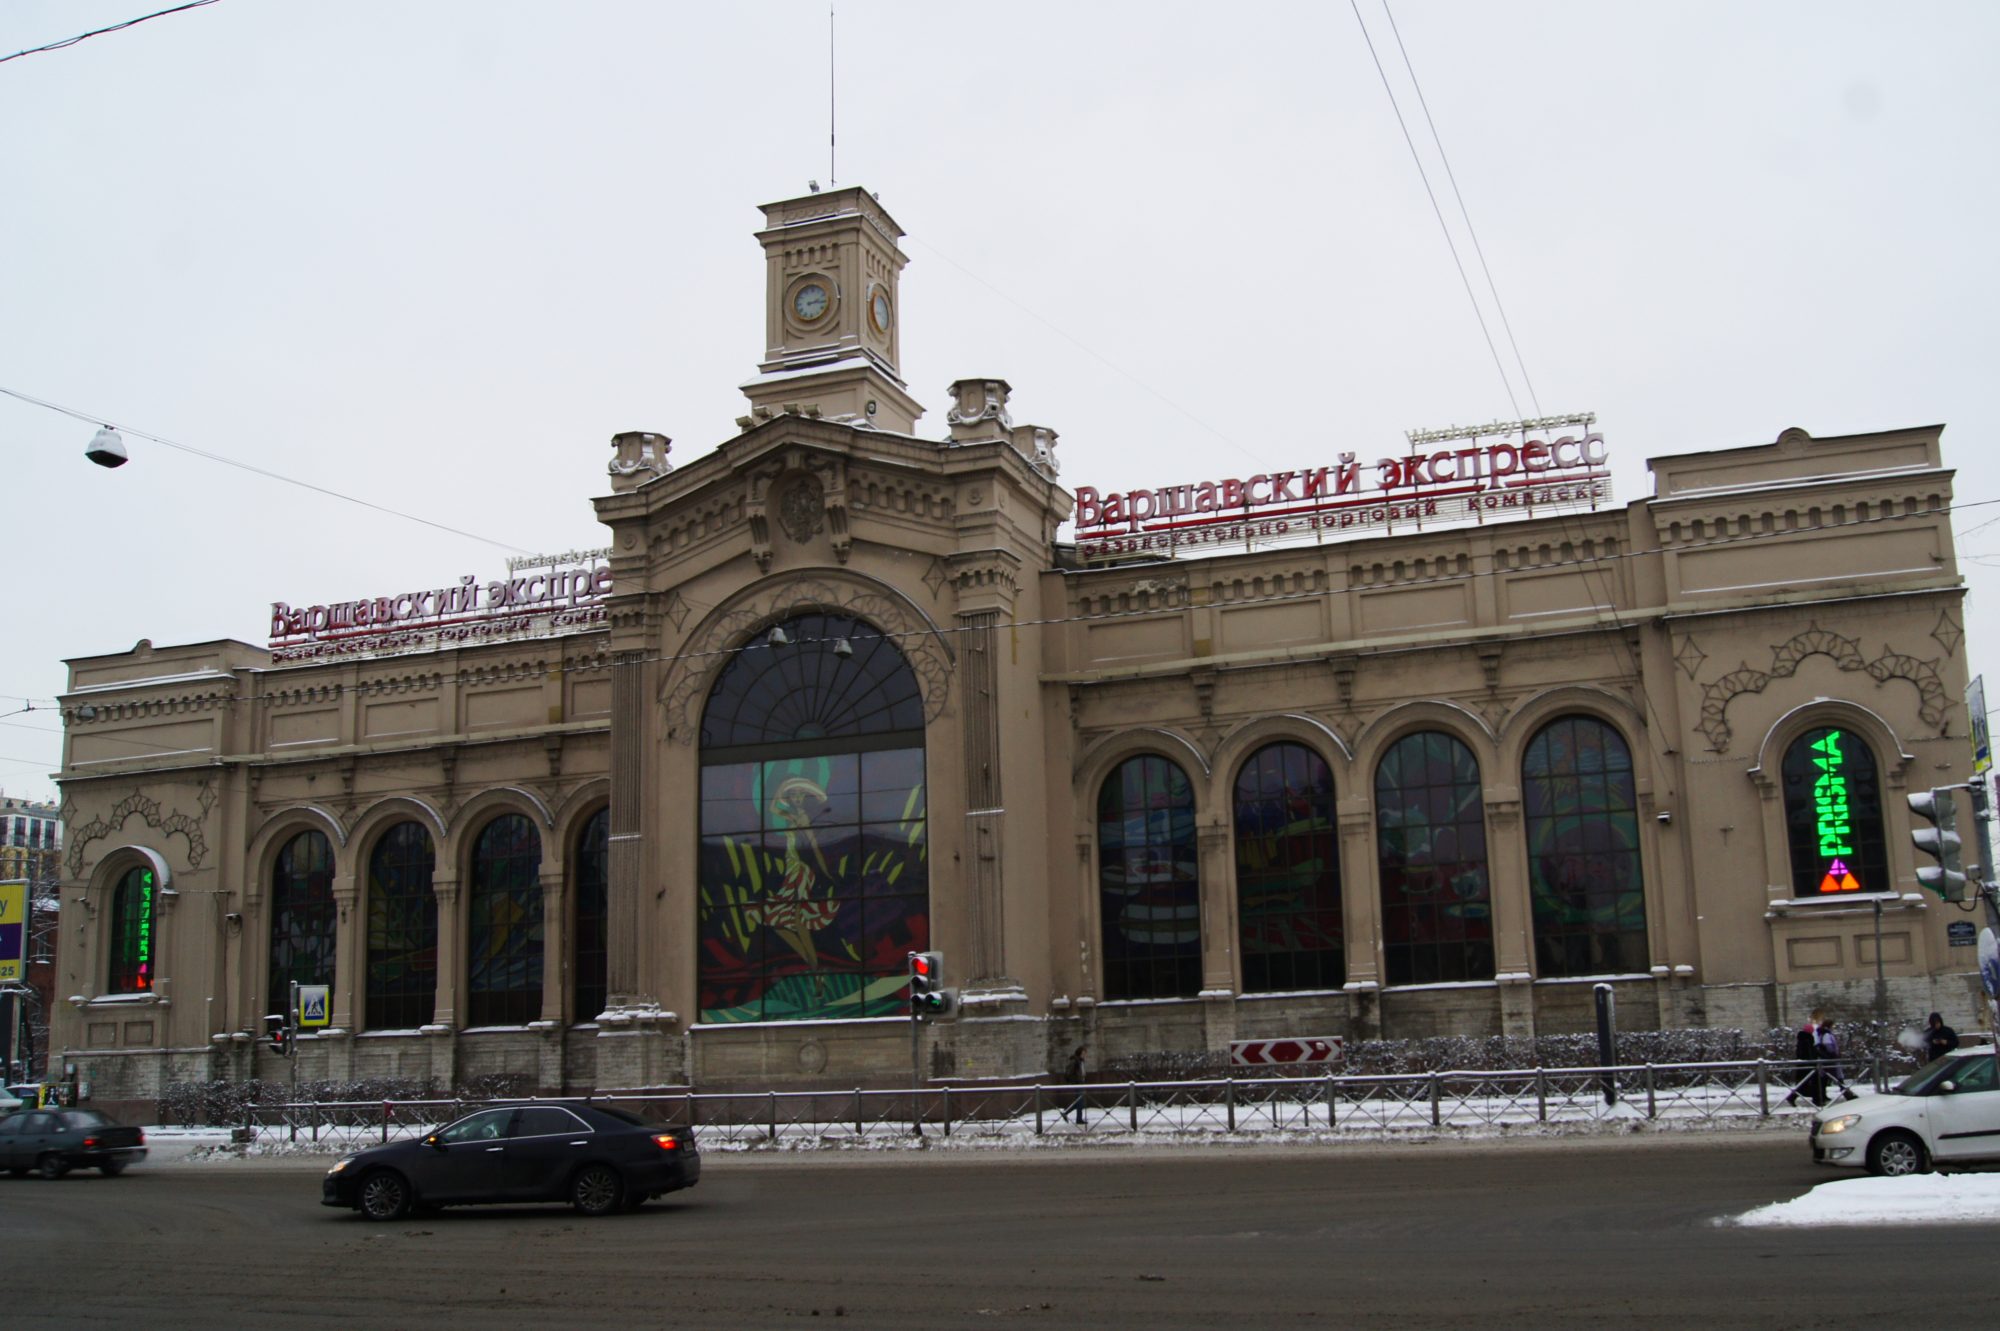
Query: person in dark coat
1805, 1050
1939, 1039
1077, 1061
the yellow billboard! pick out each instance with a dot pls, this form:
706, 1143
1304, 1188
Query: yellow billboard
13, 931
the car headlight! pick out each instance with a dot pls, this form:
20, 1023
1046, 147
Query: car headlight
1841, 1124
341, 1164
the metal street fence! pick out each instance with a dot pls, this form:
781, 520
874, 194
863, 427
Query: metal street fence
1270, 1106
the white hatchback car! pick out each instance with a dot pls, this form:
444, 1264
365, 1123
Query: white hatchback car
1948, 1113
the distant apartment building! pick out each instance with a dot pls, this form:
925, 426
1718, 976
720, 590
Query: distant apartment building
30, 840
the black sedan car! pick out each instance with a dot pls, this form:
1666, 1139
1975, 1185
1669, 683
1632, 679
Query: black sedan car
596, 1158
54, 1141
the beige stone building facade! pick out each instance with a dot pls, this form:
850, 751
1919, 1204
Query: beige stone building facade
836, 691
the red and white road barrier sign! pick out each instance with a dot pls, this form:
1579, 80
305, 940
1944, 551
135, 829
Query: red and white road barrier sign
1271, 1053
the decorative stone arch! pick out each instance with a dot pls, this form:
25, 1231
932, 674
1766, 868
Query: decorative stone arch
1462, 723
383, 814
1893, 768
1287, 727
568, 818
1601, 704
689, 677
1933, 704
98, 899
1097, 761
275, 832
472, 817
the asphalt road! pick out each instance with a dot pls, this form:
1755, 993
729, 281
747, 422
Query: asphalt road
1539, 1233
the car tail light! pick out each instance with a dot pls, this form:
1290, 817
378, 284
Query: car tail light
89, 1142
142, 1136
666, 1141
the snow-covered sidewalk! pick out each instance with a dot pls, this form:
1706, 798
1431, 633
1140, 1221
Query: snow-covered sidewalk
1916, 1199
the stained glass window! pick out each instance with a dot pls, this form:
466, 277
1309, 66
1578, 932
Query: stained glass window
1582, 821
815, 844
402, 930
1430, 826
1149, 883
133, 902
303, 917
504, 925
592, 883
1288, 872
1833, 815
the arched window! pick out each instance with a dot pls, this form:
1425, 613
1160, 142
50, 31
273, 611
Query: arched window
1437, 915
588, 934
302, 917
1149, 885
815, 850
504, 925
402, 930
133, 902
1584, 880
1833, 815
1288, 872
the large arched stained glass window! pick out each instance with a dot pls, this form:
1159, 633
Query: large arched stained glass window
303, 917
133, 903
1437, 917
1288, 872
504, 925
402, 930
588, 948
815, 850
1833, 815
1149, 885
1582, 816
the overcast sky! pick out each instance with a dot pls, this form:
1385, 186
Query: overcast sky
434, 255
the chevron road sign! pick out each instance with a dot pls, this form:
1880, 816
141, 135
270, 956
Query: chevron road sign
1271, 1053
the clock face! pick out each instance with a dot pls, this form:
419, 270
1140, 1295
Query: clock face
878, 311
809, 302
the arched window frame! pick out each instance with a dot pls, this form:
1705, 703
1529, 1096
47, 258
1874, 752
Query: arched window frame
1148, 880
1436, 882
814, 879
133, 932
402, 922
590, 916
503, 933
1813, 826
1290, 928
1586, 876
304, 918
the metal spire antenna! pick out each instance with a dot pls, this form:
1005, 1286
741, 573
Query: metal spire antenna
832, 175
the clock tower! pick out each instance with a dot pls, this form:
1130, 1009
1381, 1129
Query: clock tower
832, 313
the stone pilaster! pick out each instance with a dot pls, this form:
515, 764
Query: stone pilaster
350, 951
627, 849
445, 1010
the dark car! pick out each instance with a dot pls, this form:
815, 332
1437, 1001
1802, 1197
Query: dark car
596, 1158
55, 1141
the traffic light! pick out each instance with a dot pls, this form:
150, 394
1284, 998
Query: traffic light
928, 996
278, 1033
1940, 841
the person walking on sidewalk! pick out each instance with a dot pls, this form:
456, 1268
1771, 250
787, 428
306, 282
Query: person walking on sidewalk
1805, 1050
1829, 1058
1079, 1060
1939, 1039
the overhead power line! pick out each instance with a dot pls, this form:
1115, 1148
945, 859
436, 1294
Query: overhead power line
1430, 193
91, 418
99, 32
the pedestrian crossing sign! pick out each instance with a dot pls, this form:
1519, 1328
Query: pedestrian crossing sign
314, 1008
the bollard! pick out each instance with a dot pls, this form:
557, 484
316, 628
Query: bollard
1763, 1090
386, 1111
1541, 1095
1132, 1102
1229, 1099
1652, 1106
1437, 1100
774, 1116
1329, 1099
947, 1111
1038, 1109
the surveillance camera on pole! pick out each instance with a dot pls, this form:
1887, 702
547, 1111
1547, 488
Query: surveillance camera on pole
106, 449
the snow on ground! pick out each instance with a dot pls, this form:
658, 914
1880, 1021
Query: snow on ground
1917, 1199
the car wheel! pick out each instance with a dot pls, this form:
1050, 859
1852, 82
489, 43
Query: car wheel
1894, 1154
113, 1168
52, 1166
385, 1196
596, 1190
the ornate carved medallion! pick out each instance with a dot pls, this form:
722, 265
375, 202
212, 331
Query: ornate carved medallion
802, 510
